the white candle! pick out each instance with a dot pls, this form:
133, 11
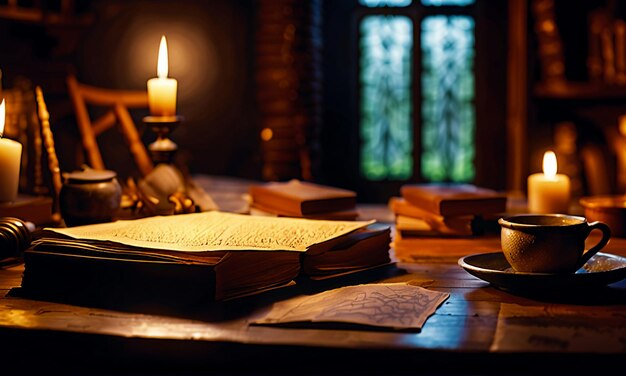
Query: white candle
548, 192
162, 90
10, 158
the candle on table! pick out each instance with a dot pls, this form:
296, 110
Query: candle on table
548, 192
162, 90
10, 158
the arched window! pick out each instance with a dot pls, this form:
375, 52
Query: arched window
415, 91
390, 40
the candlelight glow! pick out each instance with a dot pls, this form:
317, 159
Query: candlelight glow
162, 63
549, 164
2, 114
622, 125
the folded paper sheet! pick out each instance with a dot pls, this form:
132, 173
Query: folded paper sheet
391, 305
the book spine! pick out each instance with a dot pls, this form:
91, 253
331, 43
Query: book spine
268, 198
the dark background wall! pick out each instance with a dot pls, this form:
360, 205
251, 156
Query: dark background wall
210, 54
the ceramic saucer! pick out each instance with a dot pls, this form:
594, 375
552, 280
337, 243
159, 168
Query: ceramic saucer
601, 270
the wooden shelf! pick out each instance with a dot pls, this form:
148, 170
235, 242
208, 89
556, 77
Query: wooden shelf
579, 91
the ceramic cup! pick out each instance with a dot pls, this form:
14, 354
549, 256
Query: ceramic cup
549, 243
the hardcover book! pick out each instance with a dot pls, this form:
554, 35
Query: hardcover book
297, 198
411, 220
454, 199
197, 257
360, 250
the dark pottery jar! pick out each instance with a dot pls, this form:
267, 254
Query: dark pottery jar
90, 196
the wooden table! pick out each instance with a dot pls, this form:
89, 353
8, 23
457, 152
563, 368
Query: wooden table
478, 330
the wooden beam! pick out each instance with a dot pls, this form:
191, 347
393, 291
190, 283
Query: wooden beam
517, 101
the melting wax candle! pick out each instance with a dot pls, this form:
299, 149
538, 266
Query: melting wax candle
548, 192
10, 159
162, 90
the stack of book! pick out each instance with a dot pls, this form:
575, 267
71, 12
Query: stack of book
190, 260
443, 211
302, 200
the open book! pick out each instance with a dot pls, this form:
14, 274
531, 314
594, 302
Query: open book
210, 255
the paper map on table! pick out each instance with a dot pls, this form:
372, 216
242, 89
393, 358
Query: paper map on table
559, 328
392, 305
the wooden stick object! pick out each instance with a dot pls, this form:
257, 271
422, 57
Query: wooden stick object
48, 141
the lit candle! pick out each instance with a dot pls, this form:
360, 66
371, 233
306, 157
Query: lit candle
10, 158
162, 90
548, 192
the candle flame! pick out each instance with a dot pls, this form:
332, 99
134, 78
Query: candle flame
549, 164
2, 114
162, 65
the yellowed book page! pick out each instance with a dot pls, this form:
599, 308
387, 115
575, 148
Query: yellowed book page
216, 231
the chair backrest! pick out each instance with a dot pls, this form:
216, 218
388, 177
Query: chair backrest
117, 103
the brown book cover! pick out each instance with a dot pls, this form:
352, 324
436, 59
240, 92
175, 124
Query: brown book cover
412, 220
199, 257
454, 199
58, 265
360, 250
299, 198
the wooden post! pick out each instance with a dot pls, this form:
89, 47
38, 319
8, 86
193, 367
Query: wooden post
53, 162
517, 89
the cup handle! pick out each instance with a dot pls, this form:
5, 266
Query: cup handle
606, 235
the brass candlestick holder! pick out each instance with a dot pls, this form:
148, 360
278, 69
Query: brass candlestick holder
163, 149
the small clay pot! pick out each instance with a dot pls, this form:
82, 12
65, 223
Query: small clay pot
90, 196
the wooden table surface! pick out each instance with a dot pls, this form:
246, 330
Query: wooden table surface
478, 330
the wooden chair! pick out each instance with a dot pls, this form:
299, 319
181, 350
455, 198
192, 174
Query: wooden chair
118, 102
